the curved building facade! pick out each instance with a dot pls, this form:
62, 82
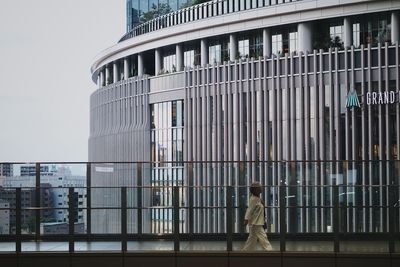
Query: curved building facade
275, 81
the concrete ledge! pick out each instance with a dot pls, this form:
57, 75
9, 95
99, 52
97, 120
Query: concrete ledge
197, 258
365, 260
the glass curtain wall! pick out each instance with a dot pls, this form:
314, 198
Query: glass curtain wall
167, 156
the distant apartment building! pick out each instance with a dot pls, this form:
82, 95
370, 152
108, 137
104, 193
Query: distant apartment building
30, 170
6, 169
54, 195
7, 195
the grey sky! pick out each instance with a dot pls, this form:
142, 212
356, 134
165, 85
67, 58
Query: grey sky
46, 49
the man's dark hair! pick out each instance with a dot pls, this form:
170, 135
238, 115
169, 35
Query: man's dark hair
252, 190
253, 187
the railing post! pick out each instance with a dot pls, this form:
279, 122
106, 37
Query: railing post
18, 220
282, 217
392, 217
242, 195
71, 219
124, 231
176, 217
88, 199
37, 202
336, 247
190, 182
139, 199
229, 221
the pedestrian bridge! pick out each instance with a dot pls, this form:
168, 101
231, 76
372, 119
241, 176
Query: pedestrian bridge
66, 214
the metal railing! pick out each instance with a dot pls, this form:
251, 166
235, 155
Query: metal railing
296, 210
198, 12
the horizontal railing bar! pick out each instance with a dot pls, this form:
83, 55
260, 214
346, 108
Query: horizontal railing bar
211, 186
201, 236
196, 207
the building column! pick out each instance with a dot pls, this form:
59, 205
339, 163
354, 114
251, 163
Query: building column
126, 69
347, 32
107, 74
140, 64
204, 52
233, 47
157, 63
267, 43
179, 57
305, 36
115, 71
395, 27
101, 78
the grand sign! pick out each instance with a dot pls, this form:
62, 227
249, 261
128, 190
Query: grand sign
372, 98
380, 98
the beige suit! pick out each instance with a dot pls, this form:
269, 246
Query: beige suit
256, 219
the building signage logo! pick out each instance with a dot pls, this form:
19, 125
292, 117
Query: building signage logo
372, 98
352, 100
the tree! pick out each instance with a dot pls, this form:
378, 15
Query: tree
155, 11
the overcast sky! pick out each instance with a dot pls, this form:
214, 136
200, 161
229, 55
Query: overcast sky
46, 50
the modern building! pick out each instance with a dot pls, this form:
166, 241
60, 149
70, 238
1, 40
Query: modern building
275, 81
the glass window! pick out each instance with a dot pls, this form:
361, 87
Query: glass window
214, 53
143, 6
191, 56
166, 145
277, 47
372, 29
356, 35
284, 40
293, 42
243, 48
218, 50
329, 33
169, 63
336, 35
250, 45
256, 46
